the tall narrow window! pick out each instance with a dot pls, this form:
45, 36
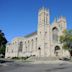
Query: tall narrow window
36, 44
20, 46
32, 44
7, 49
28, 44
55, 34
45, 34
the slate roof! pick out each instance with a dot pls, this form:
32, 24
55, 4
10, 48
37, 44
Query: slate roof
32, 34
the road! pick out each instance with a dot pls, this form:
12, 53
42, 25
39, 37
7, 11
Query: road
27, 67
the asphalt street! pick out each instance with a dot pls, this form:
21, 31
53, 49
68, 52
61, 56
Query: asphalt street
27, 67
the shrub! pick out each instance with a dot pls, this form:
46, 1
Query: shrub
15, 58
23, 58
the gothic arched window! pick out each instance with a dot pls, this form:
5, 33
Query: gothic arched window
20, 46
55, 34
36, 43
32, 44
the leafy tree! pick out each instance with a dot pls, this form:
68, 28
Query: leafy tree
66, 40
3, 42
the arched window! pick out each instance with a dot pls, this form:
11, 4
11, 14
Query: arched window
55, 34
32, 44
28, 43
36, 43
25, 46
20, 46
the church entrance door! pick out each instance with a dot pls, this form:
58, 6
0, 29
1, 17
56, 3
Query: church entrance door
39, 49
56, 51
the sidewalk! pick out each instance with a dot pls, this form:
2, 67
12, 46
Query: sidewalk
51, 62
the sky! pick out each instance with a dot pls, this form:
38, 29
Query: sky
20, 17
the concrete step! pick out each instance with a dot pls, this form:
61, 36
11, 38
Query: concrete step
42, 58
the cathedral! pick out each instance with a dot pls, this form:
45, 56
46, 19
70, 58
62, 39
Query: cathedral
42, 43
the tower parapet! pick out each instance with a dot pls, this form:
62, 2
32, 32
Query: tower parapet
43, 9
43, 16
62, 23
61, 18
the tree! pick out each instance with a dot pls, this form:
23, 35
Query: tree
3, 42
66, 40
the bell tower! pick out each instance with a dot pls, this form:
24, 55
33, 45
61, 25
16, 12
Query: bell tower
43, 26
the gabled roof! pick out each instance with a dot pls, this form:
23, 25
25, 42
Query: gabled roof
32, 34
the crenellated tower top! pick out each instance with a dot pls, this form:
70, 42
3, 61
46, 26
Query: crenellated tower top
43, 16
62, 23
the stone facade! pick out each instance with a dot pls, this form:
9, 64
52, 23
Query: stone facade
42, 43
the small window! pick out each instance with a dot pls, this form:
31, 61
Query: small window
40, 32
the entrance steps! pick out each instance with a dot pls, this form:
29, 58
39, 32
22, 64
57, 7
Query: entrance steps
42, 58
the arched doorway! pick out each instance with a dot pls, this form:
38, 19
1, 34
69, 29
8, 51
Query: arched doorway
56, 50
39, 49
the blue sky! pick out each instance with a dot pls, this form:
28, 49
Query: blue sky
20, 17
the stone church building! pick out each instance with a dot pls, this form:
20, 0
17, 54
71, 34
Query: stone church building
42, 43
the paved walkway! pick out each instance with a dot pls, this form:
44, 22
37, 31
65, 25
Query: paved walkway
51, 62
49, 66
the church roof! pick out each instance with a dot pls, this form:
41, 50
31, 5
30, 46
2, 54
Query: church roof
32, 34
